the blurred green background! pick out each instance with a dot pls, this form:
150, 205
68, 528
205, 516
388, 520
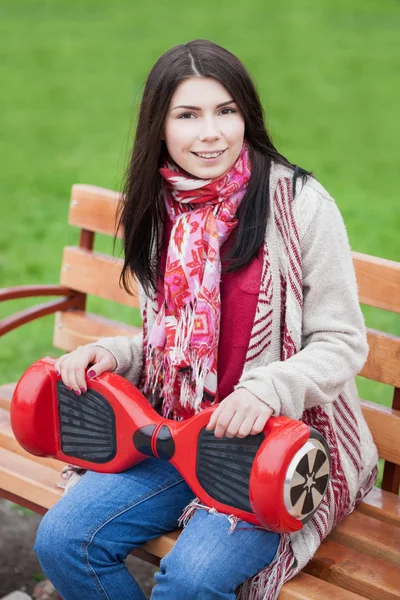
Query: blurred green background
72, 74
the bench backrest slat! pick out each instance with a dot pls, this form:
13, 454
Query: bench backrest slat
93, 208
384, 424
383, 362
96, 274
76, 328
378, 281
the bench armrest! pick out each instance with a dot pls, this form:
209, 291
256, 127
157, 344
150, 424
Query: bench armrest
70, 299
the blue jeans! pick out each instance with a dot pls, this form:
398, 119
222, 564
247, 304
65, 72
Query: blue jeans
84, 538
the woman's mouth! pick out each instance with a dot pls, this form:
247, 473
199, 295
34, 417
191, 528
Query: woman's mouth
208, 156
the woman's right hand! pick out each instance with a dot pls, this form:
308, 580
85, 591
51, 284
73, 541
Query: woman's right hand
72, 366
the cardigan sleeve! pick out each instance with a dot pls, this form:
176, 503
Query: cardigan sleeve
128, 353
334, 345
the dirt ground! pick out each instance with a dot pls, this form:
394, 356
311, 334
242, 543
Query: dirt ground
19, 566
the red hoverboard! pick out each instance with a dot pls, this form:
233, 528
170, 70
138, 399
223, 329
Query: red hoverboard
276, 479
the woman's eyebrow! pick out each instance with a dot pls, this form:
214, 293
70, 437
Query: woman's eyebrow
198, 107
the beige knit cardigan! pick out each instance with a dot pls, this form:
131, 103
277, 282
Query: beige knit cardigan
308, 296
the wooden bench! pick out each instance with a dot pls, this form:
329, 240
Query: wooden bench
361, 557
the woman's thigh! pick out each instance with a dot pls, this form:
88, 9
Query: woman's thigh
209, 562
118, 511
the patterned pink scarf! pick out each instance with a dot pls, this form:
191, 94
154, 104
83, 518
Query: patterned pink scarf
182, 352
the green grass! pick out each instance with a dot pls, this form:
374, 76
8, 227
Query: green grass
72, 75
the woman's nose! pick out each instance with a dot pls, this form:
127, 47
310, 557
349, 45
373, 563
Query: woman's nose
209, 130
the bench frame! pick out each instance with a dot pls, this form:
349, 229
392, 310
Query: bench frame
93, 210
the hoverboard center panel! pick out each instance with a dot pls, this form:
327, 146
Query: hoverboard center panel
87, 425
224, 465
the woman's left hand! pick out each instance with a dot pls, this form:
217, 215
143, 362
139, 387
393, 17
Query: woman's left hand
240, 414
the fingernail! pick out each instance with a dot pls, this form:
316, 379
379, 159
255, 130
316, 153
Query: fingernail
68, 388
91, 373
83, 390
77, 392
57, 372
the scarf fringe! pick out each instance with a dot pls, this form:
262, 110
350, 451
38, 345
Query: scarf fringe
182, 365
71, 475
196, 505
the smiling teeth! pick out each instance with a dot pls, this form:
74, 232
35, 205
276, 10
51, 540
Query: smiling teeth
213, 155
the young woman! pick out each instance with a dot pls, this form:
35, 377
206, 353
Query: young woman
249, 300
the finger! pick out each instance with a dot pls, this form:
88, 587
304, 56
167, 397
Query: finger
212, 421
73, 381
259, 424
235, 424
81, 379
64, 372
246, 427
104, 364
223, 421
213, 418
58, 363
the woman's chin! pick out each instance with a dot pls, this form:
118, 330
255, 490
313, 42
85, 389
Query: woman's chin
211, 172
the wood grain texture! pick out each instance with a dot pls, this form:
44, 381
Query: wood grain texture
163, 544
31, 291
40, 510
391, 477
35, 312
6, 392
306, 587
370, 536
93, 208
378, 281
384, 424
29, 479
381, 505
76, 328
355, 571
383, 362
8, 441
95, 273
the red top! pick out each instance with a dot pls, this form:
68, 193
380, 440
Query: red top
239, 293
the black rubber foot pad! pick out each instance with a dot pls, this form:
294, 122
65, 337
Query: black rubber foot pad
87, 425
224, 465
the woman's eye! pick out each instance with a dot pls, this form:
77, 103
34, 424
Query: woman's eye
190, 115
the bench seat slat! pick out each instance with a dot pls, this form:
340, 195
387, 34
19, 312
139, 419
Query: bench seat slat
382, 505
355, 571
366, 534
307, 587
162, 545
6, 392
8, 441
29, 479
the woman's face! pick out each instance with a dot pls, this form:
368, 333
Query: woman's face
203, 119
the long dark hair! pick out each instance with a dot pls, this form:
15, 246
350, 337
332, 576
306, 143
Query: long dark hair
141, 211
